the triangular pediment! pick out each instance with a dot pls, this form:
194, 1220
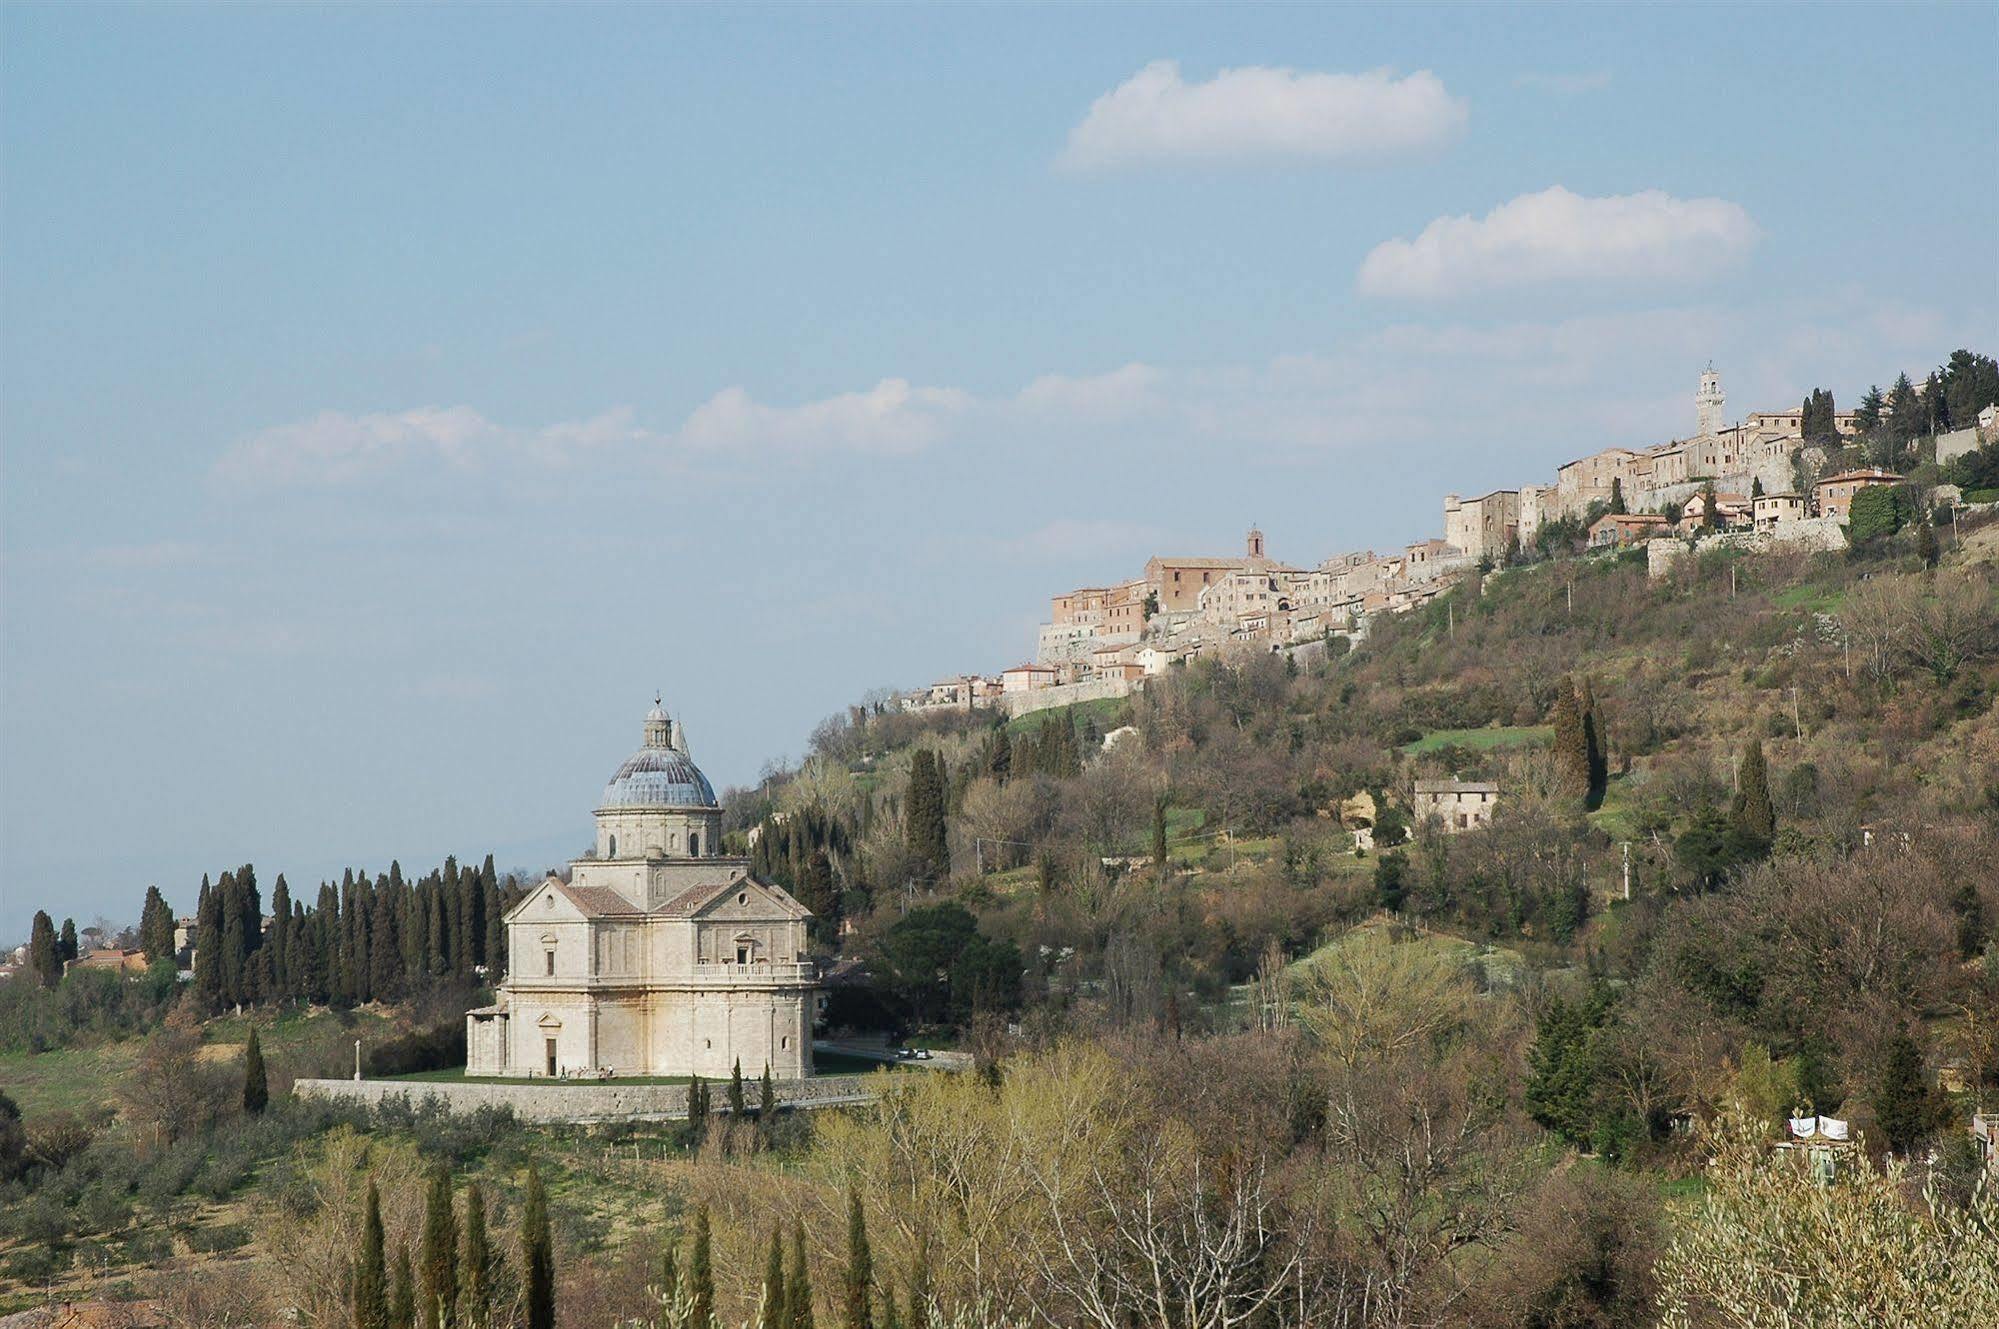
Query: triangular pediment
748, 900
547, 903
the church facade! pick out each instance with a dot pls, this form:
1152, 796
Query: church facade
658, 956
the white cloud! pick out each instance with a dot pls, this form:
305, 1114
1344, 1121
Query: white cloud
1121, 392
891, 418
333, 447
1566, 85
1257, 111
1556, 236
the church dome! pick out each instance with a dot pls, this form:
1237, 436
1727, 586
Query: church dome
660, 774
659, 778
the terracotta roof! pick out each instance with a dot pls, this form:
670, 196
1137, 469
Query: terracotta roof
597, 901
1456, 787
1869, 474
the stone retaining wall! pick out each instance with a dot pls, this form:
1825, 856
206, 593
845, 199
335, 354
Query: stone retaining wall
585, 1101
1067, 694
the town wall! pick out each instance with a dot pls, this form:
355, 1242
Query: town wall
1066, 694
605, 1100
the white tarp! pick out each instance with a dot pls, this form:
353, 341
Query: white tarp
1832, 1128
1804, 1128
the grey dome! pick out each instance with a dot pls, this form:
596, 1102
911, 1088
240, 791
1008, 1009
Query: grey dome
659, 778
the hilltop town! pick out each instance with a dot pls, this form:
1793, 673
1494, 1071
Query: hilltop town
1775, 478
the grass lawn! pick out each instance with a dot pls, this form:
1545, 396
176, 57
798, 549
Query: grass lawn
1503, 966
76, 1079
1616, 817
1482, 740
1108, 712
1810, 598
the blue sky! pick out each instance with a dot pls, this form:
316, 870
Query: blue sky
391, 400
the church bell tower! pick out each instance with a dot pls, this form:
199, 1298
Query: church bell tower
1708, 403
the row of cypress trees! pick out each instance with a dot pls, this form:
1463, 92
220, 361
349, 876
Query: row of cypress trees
361, 941
48, 949
453, 1280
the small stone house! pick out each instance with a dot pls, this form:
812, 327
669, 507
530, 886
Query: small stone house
1835, 492
1614, 530
1775, 509
1456, 805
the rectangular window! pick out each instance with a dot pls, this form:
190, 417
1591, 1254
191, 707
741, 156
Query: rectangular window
550, 957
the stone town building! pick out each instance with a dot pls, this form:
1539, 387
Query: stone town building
1178, 582
1027, 678
658, 956
1456, 805
1615, 529
1484, 528
1732, 512
1835, 492
1771, 510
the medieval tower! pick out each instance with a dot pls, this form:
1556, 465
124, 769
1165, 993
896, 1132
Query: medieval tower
1708, 402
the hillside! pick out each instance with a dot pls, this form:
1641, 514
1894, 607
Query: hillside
1175, 938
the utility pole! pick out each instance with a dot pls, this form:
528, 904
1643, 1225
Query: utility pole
1627, 869
1796, 723
357, 1059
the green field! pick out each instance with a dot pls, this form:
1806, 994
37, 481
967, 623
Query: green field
1108, 712
75, 1080
1486, 739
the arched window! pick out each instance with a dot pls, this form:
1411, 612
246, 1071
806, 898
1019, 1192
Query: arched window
693, 844
614, 846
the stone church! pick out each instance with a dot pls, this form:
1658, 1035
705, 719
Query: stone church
658, 956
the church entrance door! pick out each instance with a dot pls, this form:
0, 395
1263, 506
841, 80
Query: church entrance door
548, 1047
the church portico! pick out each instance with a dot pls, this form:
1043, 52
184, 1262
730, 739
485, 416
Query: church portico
657, 956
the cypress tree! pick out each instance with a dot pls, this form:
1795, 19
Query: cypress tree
697, 1112
475, 1282
737, 1106
385, 950
1159, 832
496, 934
1593, 744
402, 1291
538, 1260
279, 943
255, 1092
798, 1288
439, 1258
857, 1288
770, 1307
371, 1303
67, 945
1926, 542
466, 933
1710, 507
701, 1273
1617, 495
156, 927
437, 958
1904, 1106
1571, 745
766, 1105
926, 814
43, 956
1752, 814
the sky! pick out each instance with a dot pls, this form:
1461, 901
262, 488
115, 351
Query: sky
393, 399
